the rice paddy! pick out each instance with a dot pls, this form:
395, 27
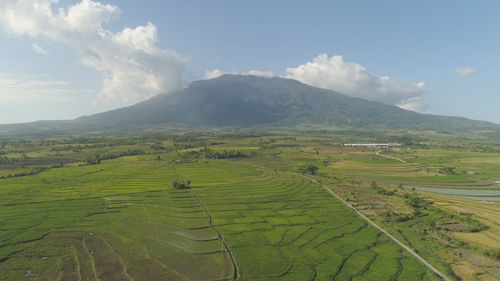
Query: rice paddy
84, 224
248, 218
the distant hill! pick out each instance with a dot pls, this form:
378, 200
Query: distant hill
245, 100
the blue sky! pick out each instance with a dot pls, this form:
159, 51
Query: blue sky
410, 42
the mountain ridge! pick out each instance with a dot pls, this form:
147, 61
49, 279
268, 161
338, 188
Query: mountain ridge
246, 100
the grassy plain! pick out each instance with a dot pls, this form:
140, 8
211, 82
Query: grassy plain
103, 208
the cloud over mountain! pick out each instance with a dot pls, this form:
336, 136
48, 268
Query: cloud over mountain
132, 66
353, 79
216, 73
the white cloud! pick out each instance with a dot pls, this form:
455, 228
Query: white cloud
33, 90
267, 74
132, 66
216, 73
353, 79
415, 104
39, 50
465, 72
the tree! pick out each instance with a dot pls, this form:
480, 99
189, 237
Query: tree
181, 185
308, 169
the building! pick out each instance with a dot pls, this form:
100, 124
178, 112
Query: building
372, 145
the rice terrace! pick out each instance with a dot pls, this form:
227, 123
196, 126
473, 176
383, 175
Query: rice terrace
255, 208
249, 140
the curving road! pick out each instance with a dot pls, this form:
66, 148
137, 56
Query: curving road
389, 157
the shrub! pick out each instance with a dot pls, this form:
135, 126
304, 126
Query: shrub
308, 169
448, 171
181, 185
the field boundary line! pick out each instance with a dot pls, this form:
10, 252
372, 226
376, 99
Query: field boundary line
151, 258
226, 246
408, 249
78, 266
92, 261
120, 259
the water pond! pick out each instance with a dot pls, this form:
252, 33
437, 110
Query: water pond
473, 194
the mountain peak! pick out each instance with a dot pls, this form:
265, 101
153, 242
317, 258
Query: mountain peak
247, 100
244, 78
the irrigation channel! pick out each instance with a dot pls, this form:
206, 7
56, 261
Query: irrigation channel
411, 251
227, 248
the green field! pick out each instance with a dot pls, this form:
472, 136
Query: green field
250, 217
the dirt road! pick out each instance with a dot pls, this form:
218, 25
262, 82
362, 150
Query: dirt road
408, 249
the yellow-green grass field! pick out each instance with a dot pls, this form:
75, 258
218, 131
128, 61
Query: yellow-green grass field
103, 208
121, 220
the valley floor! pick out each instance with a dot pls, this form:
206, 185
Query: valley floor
254, 208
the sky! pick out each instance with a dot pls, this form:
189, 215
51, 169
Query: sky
68, 58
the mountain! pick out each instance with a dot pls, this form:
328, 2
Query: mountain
245, 100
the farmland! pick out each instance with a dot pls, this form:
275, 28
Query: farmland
103, 208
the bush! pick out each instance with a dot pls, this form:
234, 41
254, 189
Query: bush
474, 225
417, 202
492, 254
181, 185
448, 171
211, 154
385, 192
308, 169
97, 156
